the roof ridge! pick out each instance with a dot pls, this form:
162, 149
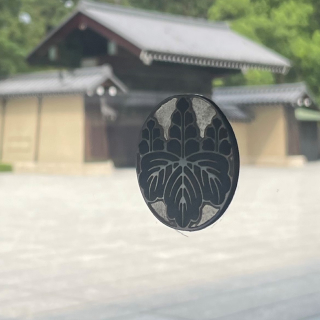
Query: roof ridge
83, 4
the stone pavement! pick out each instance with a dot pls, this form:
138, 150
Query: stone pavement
87, 248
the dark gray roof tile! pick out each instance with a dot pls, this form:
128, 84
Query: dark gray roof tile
58, 82
287, 93
179, 39
167, 37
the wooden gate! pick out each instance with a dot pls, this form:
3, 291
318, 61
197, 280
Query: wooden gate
309, 140
96, 145
123, 144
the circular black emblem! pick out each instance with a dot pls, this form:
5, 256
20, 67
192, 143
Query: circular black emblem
188, 162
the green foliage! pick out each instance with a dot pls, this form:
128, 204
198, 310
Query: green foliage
5, 167
230, 10
198, 8
11, 52
217, 82
258, 77
18, 38
290, 27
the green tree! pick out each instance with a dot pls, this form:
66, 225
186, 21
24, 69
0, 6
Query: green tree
11, 53
198, 8
290, 27
22, 25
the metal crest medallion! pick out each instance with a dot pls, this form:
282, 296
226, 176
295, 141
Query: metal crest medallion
188, 162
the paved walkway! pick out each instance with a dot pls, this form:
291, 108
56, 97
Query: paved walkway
87, 248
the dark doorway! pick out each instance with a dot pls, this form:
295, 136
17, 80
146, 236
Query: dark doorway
123, 144
309, 140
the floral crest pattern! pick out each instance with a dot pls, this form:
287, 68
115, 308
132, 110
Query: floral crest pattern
185, 171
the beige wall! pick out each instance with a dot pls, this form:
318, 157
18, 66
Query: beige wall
20, 129
62, 129
61, 132
241, 132
267, 135
264, 139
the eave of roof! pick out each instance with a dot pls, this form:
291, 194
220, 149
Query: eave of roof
288, 93
177, 39
56, 82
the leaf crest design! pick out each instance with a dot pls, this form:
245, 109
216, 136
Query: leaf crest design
183, 196
185, 171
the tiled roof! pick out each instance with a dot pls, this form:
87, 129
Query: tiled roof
178, 39
58, 82
288, 93
233, 100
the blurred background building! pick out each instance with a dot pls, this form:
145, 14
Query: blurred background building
114, 64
